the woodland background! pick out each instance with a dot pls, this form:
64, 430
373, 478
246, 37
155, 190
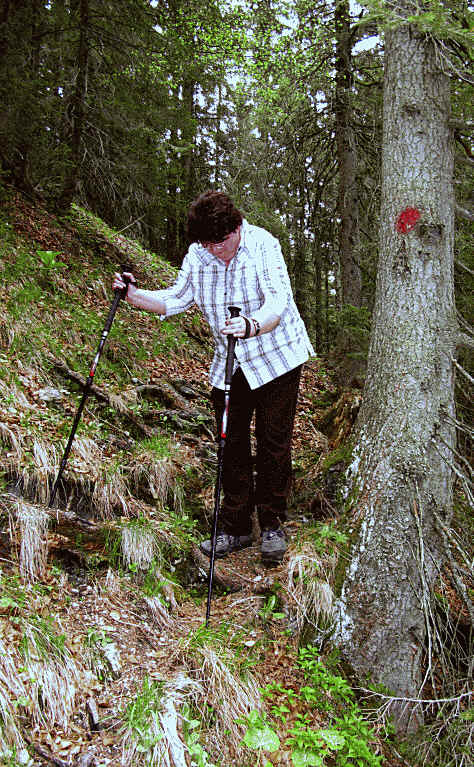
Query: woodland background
324, 121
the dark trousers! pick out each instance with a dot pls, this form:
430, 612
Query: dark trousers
274, 405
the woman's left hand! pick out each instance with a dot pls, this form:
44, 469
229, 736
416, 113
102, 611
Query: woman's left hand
236, 326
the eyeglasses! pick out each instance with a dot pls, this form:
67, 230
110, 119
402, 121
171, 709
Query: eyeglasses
221, 242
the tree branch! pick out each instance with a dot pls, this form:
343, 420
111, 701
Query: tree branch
466, 341
114, 402
464, 213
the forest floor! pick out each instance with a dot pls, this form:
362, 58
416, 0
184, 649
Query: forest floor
105, 659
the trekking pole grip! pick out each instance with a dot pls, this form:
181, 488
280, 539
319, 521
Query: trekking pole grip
229, 367
125, 268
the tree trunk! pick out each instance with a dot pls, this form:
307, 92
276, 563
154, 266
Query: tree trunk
19, 87
348, 198
400, 473
78, 109
172, 203
303, 262
5, 8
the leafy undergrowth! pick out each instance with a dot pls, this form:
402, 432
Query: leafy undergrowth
104, 656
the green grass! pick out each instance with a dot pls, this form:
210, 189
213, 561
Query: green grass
159, 445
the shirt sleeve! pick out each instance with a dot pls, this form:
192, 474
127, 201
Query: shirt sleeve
179, 296
273, 278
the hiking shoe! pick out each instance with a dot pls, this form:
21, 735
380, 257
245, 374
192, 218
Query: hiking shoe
273, 545
226, 543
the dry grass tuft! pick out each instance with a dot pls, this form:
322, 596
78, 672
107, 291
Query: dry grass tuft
31, 524
54, 676
11, 437
159, 614
7, 330
38, 476
41, 677
112, 585
86, 456
139, 545
237, 695
151, 729
309, 587
12, 689
110, 494
156, 476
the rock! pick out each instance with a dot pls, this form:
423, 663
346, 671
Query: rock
112, 656
93, 715
49, 394
86, 760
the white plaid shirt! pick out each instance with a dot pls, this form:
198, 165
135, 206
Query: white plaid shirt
257, 281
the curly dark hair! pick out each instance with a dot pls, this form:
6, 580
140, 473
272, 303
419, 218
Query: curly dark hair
212, 216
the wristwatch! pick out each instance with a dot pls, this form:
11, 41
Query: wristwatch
256, 325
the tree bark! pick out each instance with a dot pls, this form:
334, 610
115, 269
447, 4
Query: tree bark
348, 197
78, 109
400, 473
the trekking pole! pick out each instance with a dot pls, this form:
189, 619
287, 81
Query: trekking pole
119, 294
229, 368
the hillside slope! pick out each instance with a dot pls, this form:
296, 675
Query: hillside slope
104, 656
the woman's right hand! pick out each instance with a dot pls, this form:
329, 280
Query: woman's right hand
119, 284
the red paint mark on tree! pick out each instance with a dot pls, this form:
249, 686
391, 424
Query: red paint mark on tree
407, 220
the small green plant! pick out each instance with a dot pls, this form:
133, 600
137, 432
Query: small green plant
268, 611
276, 689
40, 637
191, 733
159, 445
95, 645
206, 635
48, 260
259, 736
12, 757
346, 741
324, 536
141, 718
310, 747
180, 524
13, 595
231, 645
